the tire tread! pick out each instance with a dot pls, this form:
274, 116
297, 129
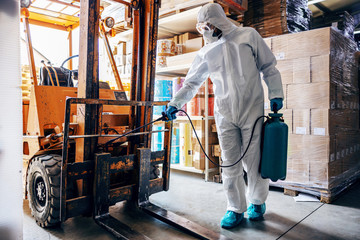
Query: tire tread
52, 165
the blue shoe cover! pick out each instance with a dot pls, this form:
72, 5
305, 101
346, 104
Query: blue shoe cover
256, 212
231, 219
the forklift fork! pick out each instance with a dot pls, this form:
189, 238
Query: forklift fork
122, 231
102, 203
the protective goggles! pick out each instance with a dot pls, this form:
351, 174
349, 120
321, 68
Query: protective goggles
204, 26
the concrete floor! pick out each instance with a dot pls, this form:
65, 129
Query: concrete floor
204, 203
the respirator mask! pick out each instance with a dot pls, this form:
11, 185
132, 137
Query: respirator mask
208, 32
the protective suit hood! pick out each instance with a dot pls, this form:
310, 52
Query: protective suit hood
214, 14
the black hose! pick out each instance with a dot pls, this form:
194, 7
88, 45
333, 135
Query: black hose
162, 118
106, 130
202, 148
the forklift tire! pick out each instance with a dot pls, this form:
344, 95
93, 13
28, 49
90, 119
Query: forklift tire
43, 186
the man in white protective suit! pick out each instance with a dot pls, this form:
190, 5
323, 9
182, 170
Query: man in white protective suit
233, 57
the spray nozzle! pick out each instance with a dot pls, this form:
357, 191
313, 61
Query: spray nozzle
164, 117
275, 108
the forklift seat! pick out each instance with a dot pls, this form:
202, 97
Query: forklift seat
64, 78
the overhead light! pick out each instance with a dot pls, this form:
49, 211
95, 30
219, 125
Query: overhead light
109, 22
312, 2
357, 31
25, 3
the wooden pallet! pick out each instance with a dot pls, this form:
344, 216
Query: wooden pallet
324, 196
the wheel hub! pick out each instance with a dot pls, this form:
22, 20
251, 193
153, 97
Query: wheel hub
40, 189
40, 192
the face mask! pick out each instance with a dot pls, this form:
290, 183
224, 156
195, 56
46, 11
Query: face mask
208, 37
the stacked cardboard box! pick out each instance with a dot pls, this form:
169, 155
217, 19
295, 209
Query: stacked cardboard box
190, 153
123, 57
198, 155
276, 17
321, 108
187, 42
346, 25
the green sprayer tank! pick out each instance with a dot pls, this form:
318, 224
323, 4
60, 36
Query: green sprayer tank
274, 148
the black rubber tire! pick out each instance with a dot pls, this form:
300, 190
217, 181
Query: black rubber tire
43, 186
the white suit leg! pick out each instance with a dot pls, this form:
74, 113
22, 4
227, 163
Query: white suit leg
258, 188
230, 142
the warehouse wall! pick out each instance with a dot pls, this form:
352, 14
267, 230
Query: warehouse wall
11, 214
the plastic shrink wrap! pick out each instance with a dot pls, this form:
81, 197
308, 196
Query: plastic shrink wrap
276, 17
321, 108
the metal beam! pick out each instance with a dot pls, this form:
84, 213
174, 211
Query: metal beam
87, 116
111, 57
148, 74
328, 19
70, 63
29, 46
323, 8
122, 2
65, 3
48, 25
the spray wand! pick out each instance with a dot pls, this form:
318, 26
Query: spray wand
165, 118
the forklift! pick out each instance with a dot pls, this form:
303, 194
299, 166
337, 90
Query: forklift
87, 147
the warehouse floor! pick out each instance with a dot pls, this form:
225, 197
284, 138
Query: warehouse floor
204, 203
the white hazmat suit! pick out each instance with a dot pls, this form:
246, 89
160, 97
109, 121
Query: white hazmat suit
234, 63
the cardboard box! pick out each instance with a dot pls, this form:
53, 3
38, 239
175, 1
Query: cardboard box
280, 47
324, 97
348, 149
176, 39
198, 155
301, 121
319, 174
301, 70
285, 68
313, 148
326, 122
194, 44
308, 95
320, 68
319, 122
216, 151
300, 171
186, 36
121, 48
213, 128
296, 45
